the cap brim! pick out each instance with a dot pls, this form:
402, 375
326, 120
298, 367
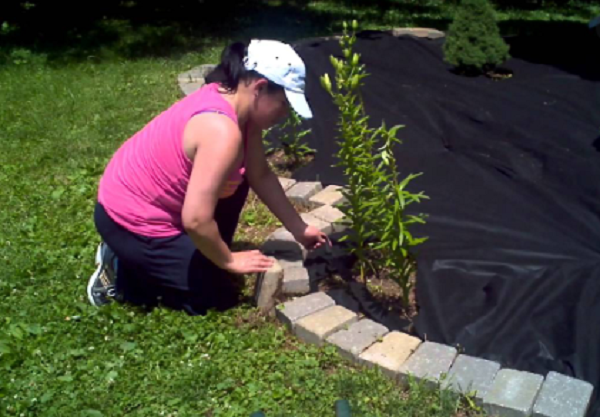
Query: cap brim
299, 104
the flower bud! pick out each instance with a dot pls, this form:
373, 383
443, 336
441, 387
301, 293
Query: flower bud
326, 83
354, 25
335, 62
355, 59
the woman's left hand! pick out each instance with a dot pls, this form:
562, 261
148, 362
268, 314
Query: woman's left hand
312, 238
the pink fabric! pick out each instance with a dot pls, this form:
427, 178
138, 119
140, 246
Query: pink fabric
143, 187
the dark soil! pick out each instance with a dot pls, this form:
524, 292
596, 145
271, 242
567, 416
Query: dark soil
284, 166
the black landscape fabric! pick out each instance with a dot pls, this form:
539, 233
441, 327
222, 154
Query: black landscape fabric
511, 271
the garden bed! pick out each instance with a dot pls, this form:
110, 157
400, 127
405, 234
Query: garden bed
508, 166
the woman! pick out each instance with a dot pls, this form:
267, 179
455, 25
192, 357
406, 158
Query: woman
170, 198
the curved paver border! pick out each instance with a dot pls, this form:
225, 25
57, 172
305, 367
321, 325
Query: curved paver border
502, 392
193, 79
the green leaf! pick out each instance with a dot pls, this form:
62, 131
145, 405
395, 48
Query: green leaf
46, 397
173, 402
419, 240
112, 375
128, 346
4, 348
16, 332
417, 219
56, 194
34, 329
190, 336
77, 353
409, 178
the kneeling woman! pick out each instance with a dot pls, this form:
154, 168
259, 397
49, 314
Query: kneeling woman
170, 198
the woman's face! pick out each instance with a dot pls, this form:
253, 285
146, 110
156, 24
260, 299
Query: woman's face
270, 108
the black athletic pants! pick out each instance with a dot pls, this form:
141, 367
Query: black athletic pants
171, 271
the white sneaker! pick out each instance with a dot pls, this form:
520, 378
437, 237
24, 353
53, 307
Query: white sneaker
101, 286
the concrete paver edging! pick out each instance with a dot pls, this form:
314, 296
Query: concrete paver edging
499, 392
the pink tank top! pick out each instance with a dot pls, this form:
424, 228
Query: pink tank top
143, 186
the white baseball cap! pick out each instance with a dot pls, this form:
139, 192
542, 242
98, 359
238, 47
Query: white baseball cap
278, 62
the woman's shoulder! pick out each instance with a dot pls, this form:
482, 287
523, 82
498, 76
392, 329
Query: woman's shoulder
211, 126
213, 121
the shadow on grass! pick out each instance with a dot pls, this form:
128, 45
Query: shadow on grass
569, 46
69, 29
134, 28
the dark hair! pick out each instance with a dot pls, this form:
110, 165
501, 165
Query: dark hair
231, 71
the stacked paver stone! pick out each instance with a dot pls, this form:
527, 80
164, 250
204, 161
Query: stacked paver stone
282, 246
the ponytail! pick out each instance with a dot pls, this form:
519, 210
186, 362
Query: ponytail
231, 70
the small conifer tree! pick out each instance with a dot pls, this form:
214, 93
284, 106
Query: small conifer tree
474, 44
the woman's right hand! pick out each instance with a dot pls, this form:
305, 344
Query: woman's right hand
248, 262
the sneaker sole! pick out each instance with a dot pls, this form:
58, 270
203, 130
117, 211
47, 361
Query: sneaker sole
99, 254
95, 276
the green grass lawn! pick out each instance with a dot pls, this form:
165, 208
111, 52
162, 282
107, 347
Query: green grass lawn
61, 357
62, 116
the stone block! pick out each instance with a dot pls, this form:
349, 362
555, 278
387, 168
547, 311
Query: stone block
322, 225
327, 213
390, 353
268, 286
281, 234
192, 80
287, 183
332, 216
329, 196
196, 75
563, 396
316, 327
189, 88
281, 245
418, 32
296, 281
287, 263
359, 336
470, 375
512, 394
292, 311
429, 363
301, 192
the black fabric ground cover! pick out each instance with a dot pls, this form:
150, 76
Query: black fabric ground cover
512, 269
